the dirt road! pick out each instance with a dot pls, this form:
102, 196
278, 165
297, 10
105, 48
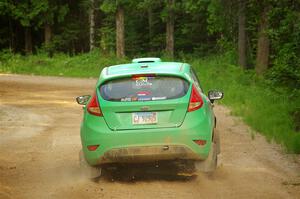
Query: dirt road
39, 144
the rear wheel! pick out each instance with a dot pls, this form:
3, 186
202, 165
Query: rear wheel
208, 165
88, 170
217, 141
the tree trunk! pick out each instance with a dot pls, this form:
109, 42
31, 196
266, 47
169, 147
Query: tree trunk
150, 26
170, 29
48, 33
263, 44
92, 25
28, 40
11, 36
120, 42
242, 35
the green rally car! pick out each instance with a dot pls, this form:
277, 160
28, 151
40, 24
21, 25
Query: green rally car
148, 111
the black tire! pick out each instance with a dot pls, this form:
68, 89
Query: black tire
87, 170
217, 141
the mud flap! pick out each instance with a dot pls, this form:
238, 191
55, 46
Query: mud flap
87, 170
210, 163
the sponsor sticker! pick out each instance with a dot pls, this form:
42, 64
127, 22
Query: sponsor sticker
143, 93
144, 98
143, 81
134, 99
159, 98
126, 99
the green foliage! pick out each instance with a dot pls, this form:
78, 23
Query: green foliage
110, 6
54, 12
71, 30
222, 18
145, 4
284, 34
108, 35
215, 21
29, 12
83, 65
285, 38
5, 7
265, 108
194, 6
6, 55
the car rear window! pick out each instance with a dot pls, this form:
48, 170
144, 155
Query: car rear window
144, 88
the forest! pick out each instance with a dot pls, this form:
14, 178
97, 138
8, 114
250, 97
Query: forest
250, 47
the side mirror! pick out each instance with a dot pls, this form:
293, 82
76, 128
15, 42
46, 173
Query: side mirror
215, 95
83, 99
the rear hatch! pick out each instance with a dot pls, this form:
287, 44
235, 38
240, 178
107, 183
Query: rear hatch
144, 101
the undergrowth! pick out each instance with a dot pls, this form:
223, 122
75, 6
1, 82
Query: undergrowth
83, 65
267, 109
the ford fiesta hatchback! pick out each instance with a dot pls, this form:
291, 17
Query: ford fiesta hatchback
148, 111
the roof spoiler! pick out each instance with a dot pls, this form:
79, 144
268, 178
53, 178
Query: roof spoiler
146, 60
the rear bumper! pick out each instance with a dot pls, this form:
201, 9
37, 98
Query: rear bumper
146, 145
148, 154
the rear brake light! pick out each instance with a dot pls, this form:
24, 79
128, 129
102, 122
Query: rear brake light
138, 76
200, 142
93, 107
92, 147
196, 101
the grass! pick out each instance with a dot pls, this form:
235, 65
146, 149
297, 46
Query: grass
265, 108
83, 65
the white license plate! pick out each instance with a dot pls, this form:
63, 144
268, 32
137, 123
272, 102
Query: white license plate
144, 118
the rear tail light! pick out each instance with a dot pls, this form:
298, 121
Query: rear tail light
93, 107
92, 147
196, 101
200, 142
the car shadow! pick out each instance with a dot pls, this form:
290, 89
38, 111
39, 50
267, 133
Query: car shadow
131, 173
